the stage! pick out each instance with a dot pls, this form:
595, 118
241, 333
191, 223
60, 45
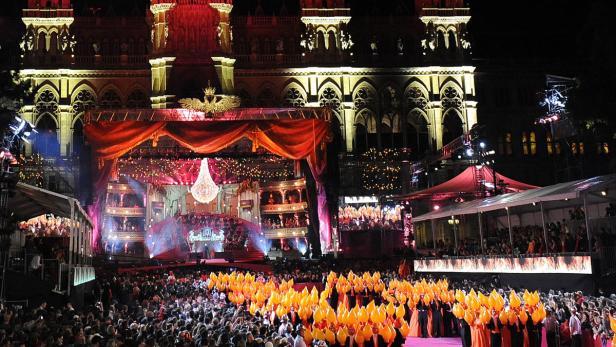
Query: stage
222, 263
433, 342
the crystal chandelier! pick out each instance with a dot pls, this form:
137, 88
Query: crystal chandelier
205, 189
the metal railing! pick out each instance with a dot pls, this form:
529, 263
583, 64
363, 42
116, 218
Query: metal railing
15, 303
48, 13
446, 12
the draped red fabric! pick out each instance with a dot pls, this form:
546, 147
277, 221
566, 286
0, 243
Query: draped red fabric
294, 139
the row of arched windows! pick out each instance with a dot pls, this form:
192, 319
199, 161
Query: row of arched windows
386, 119
531, 147
46, 116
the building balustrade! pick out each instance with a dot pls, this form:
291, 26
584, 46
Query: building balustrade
285, 233
284, 208
125, 211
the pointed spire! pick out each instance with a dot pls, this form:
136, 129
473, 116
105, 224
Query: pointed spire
284, 11
110, 10
135, 11
259, 10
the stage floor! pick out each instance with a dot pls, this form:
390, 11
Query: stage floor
433, 342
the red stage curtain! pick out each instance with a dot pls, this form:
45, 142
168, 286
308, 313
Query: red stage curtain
293, 139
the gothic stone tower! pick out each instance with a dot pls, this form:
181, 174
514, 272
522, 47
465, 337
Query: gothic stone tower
446, 40
327, 38
48, 39
191, 45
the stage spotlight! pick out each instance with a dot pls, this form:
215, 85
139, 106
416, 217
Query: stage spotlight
21, 128
469, 152
151, 256
604, 193
482, 145
436, 207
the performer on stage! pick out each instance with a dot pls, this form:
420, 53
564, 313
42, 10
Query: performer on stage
415, 330
449, 322
422, 308
376, 340
437, 319
465, 333
534, 333
495, 327
479, 336
517, 333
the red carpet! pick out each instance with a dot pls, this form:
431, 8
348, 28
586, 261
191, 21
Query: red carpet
436, 342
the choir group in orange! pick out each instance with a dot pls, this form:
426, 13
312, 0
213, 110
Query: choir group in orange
363, 309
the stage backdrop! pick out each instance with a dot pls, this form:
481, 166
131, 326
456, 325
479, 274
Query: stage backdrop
295, 139
580, 265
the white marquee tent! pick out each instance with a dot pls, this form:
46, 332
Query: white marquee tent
559, 195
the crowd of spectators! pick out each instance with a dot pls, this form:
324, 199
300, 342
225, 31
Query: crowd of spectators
566, 236
176, 308
295, 220
124, 201
369, 218
46, 225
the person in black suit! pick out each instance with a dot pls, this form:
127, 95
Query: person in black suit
495, 327
293, 317
465, 333
437, 318
534, 332
333, 299
423, 318
449, 323
376, 340
350, 340
517, 333
399, 340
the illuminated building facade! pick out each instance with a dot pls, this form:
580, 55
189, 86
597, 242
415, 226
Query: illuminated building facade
401, 81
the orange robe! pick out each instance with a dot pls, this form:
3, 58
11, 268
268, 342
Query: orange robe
478, 336
505, 336
429, 323
414, 324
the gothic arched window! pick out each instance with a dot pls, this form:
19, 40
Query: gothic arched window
329, 98
46, 142
46, 108
245, 97
364, 97
84, 101
452, 127
137, 99
78, 137
415, 98
265, 98
294, 98
524, 143
110, 100
46, 102
451, 98
533, 143
417, 132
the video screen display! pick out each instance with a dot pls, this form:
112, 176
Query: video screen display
557, 264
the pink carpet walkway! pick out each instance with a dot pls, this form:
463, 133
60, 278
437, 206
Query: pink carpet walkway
436, 342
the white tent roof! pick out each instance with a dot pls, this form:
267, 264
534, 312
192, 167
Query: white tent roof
558, 192
30, 202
